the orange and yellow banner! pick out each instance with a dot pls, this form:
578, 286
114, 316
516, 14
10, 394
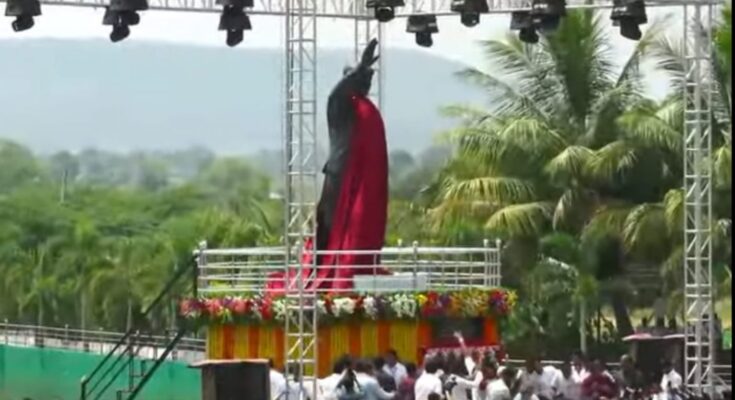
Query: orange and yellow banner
359, 339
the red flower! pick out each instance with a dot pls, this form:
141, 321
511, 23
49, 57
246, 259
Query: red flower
241, 306
266, 309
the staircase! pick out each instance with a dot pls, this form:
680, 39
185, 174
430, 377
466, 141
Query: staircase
123, 373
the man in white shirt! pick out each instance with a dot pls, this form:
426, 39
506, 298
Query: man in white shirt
394, 368
278, 381
567, 386
579, 369
537, 380
328, 385
429, 381
499, 389
671, 381
369, 385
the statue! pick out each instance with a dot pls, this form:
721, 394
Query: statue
352, 210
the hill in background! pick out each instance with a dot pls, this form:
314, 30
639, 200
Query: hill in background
69, 95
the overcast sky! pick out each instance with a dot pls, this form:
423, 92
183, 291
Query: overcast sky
454, 41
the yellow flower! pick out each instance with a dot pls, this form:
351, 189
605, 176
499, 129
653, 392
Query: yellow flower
421, 299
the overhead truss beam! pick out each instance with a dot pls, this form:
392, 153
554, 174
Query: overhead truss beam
354, 9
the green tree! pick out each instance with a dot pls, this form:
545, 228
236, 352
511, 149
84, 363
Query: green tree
538, 160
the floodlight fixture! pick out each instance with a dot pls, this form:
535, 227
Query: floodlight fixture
523, 21
629, 15
23, 11
384, 10
234, 21
470, 10
547, 14
423, 26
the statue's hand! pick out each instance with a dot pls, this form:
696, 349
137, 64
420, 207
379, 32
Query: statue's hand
368, 55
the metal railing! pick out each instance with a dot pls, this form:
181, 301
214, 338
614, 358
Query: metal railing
189, 349
414, 268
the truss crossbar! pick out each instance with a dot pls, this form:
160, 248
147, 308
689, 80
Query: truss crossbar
354, 9
698, 292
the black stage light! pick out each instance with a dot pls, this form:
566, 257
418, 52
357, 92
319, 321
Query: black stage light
119, 32
23, 11
629, 15
547, 14
120, 22
522, 21
384, 10
470, 10
528, 35
234, 21
423, 25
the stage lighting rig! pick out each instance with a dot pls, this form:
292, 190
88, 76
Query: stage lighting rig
121, 15
423, 25
384, 10
23, 11
523, 22
470, 10
235, 22
629, 15
233, 19
546, 14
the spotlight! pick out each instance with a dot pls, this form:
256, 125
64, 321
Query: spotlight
234, 21
23, 11
384, 10
528, 35
470, 10
119, 32
423, 25
522, 21
629, 15
547, 14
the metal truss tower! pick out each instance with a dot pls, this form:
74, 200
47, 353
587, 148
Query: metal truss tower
699, 300
301, 174
302, 171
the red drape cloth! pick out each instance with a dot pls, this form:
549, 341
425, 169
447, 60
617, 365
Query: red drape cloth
360, 215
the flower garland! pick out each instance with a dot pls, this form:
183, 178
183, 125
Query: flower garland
469, 303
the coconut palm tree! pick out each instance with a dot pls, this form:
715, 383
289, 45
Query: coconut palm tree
530, 164
653, 230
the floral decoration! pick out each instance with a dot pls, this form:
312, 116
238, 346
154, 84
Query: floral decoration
469, 303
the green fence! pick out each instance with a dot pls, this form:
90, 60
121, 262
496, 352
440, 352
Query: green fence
48, 374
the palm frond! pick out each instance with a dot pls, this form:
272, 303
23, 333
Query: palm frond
613, 159
522, 220
723, 167
674, 211
570, 164
506, 99
468, 114
607, 220
533, 135
573, 208
581, 54
655, 130
493, 189
643, 231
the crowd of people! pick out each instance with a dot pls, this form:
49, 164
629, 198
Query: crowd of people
472, 375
